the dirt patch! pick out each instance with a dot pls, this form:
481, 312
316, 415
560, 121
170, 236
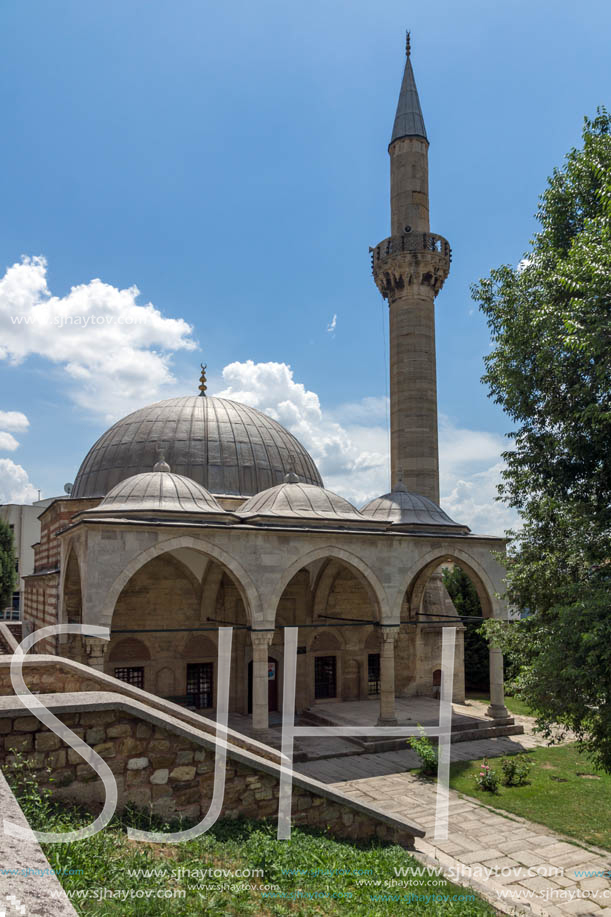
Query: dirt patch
548, 767
589, 776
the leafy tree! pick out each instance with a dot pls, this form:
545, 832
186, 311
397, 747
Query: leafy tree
8, 575
466, 601
550, 370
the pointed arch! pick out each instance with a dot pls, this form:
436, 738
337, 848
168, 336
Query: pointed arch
230, 564
361, 570
420, 572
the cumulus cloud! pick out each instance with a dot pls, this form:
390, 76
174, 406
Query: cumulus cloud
116, 353
350, 444
15, 485
8, 443
13, 420
343, 463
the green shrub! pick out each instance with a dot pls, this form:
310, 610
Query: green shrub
426, 751
487, 778
516, 770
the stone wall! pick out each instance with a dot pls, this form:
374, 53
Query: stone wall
54, 674
167, 767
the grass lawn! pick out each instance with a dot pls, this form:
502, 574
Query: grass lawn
513, 704
312, 874
565, 792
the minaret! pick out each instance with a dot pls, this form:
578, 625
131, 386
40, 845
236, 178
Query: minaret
409, 269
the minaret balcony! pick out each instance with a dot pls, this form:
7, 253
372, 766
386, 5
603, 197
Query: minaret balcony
413, 259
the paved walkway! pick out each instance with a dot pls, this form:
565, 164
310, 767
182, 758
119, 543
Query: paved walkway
513, 862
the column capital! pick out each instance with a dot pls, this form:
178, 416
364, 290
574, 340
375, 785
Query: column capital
389, 632
95, 651
95, 646
261, 638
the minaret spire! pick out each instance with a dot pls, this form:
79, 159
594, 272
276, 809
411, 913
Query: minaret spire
409, 269
408, 119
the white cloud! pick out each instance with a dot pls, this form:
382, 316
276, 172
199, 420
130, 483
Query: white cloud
15, 486
350, 445
116, 354
472, 500
8, 443
332, 325
344, 464
13, 420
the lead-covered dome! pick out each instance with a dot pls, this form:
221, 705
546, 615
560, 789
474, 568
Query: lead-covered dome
402, 509
228, 448
159, 493
294, 501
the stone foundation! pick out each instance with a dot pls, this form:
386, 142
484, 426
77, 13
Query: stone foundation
167, 767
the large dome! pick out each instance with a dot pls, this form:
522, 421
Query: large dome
226, 447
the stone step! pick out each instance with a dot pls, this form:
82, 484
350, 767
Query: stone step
471, 735
461, 732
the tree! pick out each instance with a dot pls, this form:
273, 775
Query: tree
550, 370
466, 602
8, 564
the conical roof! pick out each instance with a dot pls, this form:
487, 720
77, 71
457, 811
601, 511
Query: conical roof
408, 119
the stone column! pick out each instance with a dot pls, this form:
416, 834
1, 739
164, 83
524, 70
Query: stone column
497, 708
95, 652
261, 642
389, 634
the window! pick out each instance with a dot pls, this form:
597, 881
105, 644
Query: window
373, 673
133, 675
325, 676
200, 683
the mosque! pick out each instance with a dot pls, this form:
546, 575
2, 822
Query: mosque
198, 512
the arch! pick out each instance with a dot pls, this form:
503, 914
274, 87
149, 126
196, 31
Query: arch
324, 585
72, 587
325, 641
420, 572
233, 568
165, 682
129, 649
199, 645
361, 570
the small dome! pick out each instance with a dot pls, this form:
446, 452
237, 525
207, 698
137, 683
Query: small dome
294, 501
159, 491
411, 511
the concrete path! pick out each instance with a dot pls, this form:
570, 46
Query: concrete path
514, 863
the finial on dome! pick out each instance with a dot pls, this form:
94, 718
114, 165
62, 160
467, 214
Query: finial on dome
291, 478
161, 464
202, 380
408, 43
400, 486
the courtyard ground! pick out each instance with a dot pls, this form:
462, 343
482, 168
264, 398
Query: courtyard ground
514, 862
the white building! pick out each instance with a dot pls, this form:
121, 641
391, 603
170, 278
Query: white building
25, 525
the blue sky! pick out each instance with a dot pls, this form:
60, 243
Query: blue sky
230, 161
